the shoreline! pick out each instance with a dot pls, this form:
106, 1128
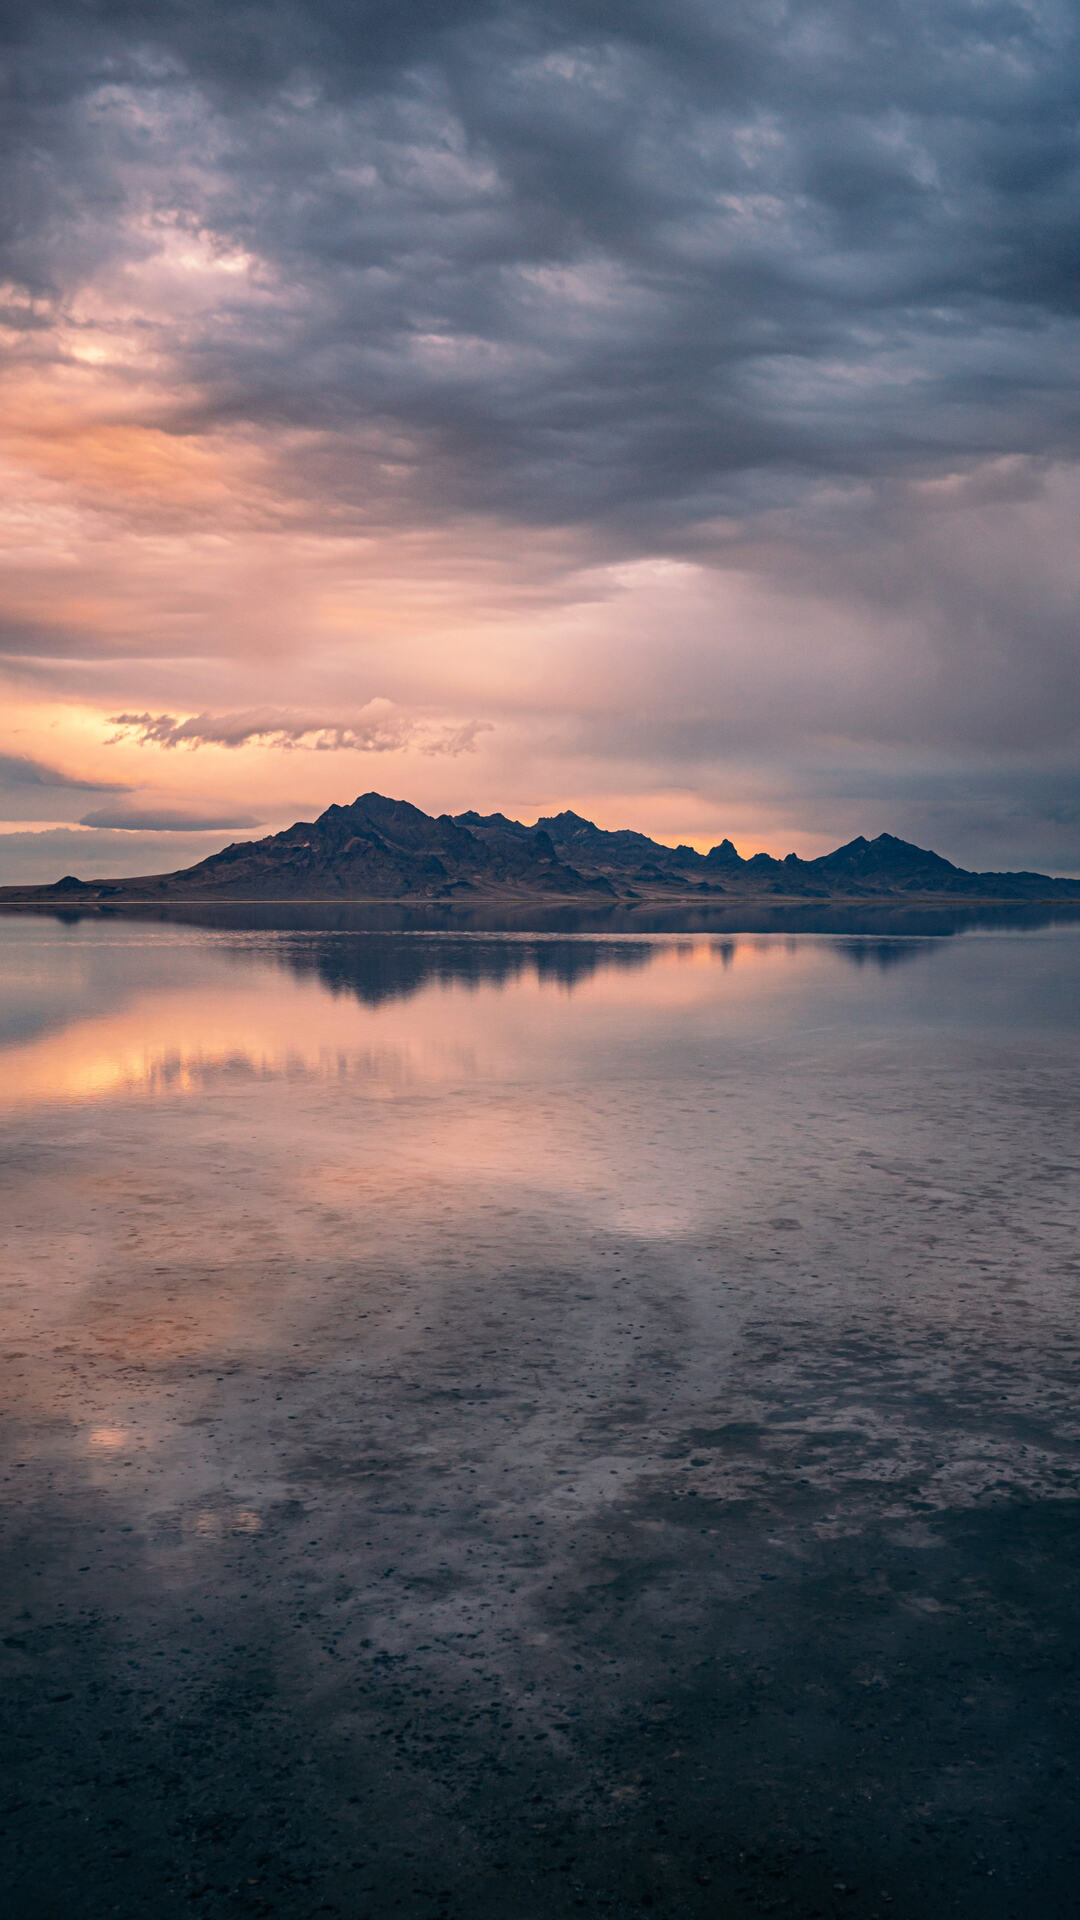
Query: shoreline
587, 902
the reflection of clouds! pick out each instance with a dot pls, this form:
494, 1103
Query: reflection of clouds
327, 1010
170, 1072
273, 1208
332, 1008
212, 1523
659, 1218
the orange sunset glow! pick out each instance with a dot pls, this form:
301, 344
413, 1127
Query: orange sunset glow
539, 917
329, 426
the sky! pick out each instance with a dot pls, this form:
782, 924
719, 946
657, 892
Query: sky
667, 410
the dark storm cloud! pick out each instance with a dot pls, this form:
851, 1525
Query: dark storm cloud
640, 266
781, 287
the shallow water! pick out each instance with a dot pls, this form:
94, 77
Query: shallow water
502, 1423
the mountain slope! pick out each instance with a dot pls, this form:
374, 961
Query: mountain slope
374, 849
381, 849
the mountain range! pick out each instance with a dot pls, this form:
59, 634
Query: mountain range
381, 849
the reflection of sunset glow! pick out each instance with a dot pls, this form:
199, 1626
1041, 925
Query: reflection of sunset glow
246, 1130
352, 1076
212, 1522
158, 1059
174, 1044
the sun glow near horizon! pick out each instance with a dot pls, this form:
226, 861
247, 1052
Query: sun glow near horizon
650, 483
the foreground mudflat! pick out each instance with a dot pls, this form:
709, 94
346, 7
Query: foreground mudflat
523, 1428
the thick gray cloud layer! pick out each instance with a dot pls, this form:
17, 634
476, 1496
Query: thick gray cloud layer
640, 265
783, 286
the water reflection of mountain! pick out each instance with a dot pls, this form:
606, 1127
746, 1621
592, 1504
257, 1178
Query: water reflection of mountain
381, 969
883, 954
379, 954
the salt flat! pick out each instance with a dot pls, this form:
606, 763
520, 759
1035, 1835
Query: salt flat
514, 1425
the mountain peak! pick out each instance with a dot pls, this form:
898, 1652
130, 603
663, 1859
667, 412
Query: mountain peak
884, 855
568, 819
377, 806
378, 848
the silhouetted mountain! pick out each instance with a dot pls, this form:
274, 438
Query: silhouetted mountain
863, 869
380, 849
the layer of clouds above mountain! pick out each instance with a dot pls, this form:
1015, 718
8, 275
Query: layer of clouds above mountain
668, 410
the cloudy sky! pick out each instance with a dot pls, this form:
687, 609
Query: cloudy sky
666, 409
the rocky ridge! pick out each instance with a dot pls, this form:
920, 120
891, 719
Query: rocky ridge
382, 849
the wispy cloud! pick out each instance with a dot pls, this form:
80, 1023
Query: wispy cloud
37, 857
379, 727
20, 771
165, 819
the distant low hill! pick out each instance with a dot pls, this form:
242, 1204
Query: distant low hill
380, 849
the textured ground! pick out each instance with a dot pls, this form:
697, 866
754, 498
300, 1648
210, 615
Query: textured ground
622, 1481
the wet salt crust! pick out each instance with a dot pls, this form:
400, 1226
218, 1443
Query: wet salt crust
515, 1425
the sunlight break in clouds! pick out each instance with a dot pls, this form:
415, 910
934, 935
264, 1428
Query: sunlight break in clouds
671, 414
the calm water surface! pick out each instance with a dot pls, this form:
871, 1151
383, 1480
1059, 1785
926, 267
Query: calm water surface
508, 1424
